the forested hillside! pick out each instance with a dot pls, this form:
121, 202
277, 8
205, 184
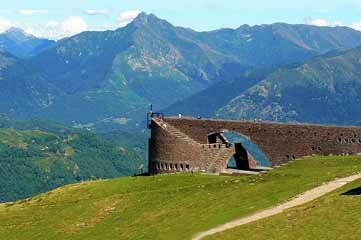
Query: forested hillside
321, 90
35, 161
110, 77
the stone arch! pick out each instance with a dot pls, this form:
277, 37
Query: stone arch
246, 154
185, 140
217, 137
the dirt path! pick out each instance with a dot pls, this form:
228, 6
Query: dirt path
298, 200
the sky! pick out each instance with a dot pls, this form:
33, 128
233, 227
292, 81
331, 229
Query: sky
58, 19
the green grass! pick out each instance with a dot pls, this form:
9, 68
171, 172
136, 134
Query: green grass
334, 216
162, 207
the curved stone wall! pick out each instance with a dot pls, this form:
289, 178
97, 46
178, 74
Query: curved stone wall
181, 144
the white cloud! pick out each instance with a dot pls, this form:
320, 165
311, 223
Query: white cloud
107, 26
56, 30
51, 29
320, 22
127, 16
30, 12
97, 11
74, 25
323, 22
52, 24
69, 27
356, 26
5, 24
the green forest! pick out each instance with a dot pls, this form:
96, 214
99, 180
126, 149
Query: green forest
37, 160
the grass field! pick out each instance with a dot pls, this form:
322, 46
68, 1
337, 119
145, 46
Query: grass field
334, 216
169, 206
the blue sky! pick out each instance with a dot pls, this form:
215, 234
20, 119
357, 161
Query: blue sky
56, 19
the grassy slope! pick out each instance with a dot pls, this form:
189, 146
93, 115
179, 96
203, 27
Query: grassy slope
334, 216
161, 207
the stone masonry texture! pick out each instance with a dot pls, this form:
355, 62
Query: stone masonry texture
181, 144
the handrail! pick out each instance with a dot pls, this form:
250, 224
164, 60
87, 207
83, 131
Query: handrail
151, 115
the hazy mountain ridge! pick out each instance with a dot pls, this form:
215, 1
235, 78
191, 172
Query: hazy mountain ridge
104, 76
109, 78
23, 45
323, 90
264, 46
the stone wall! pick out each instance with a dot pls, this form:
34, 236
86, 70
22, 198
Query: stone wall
187, 144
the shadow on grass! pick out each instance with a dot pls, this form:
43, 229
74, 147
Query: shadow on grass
353, 192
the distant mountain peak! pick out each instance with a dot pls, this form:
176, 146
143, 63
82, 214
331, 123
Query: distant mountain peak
21, 44
148, 19
141, 16
15, 29
144, 17
18, 32
244, 26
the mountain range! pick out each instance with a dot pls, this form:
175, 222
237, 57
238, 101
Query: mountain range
110, 77
322, 90
21, 44
105, 80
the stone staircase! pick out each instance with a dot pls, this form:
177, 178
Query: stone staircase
215, 155
175, 132
220, 158
222, 151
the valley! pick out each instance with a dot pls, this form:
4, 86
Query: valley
80, 160
51, 155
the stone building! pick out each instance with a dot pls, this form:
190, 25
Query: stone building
189, 144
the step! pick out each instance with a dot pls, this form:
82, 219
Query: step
236, 172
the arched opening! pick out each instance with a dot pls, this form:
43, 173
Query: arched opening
246, 154
241, 159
